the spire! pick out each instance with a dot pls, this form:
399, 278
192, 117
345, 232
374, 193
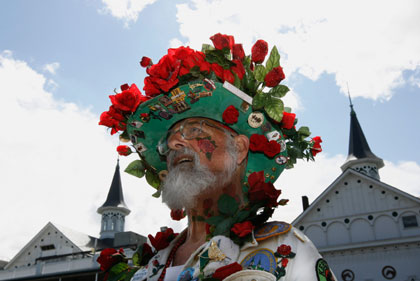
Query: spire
115, 195
360, 157
114, 209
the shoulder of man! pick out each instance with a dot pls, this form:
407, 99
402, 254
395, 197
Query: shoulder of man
286, 252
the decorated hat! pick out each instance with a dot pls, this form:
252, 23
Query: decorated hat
219, 83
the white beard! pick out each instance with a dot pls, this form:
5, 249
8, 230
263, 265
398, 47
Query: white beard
186, 181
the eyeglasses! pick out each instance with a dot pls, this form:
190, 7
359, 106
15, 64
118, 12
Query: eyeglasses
189, 130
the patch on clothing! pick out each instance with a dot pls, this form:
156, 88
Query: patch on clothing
271, 229
261, 259
323, 271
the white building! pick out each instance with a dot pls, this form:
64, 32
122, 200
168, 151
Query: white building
367, 230
59, 253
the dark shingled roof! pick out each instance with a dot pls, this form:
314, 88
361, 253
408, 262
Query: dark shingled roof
115, 195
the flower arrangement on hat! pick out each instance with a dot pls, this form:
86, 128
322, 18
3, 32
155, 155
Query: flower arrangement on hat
224, 61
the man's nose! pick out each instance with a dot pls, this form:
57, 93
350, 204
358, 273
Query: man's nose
176, 141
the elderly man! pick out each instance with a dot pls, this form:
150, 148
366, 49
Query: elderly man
213, 151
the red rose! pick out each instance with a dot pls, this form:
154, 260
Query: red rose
284, 262
109, 257
259, 51
145, 62
164, 75
162, 239
242, 229
230, 115
274, 77
177, 214
129, 99
284, 250
259, 190
224, 271
206, 145
288, 120
316, 146
238, 52
272, 148
228, 76
255, 178
155, 263
221, 41
113, 119
144, 115
123, 150
208, 228
146, 254
218, 70
238, 68
257, 142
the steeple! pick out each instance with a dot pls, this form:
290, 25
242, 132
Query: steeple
114, 209
360, 157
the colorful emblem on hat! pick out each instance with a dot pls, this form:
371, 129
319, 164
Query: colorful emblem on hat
271, 229
261, 259
323, 271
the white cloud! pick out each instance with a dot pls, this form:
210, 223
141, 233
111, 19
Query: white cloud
175, 43
367, 44
126, 10
51, 67
57, 164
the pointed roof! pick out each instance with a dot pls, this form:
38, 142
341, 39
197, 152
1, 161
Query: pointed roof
359, 150
115, 196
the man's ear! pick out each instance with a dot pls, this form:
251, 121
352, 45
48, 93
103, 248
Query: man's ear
242, 146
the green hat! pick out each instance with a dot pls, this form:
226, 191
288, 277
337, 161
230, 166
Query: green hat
219, 83
207, 99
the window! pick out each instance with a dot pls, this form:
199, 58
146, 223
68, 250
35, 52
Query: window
410, 221
47, 247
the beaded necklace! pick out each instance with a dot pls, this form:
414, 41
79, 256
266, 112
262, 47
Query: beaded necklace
172, 255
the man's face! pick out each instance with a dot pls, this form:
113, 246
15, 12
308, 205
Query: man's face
202, 157
205, 137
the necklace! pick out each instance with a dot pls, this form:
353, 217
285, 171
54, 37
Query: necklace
172, 255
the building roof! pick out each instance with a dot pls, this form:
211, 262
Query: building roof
359, 149
115, 196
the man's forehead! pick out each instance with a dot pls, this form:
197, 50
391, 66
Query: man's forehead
197, 120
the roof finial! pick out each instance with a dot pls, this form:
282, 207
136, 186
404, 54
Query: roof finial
348, 92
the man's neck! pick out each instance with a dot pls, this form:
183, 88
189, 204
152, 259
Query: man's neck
205, 208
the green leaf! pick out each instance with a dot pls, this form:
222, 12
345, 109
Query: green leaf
274, 109
136, 258
130, 275
259, 100
260, 72
215, 220
223, 228
241, 215
304, 131
135, 168
249, 81
156, 194
273, 60
227, 205
237, 82
279, 91
206, 47
218, 56
118, 268
152, 179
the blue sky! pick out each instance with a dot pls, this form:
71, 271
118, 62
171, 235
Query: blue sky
59, 61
